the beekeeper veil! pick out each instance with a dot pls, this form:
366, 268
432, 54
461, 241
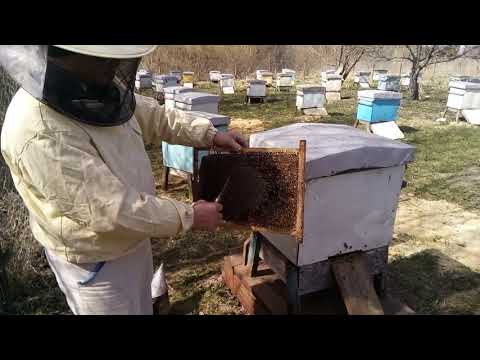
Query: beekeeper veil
93, 84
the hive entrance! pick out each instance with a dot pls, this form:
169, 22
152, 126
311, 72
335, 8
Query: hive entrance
264, 194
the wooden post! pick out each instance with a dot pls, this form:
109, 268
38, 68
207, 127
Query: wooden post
166, 171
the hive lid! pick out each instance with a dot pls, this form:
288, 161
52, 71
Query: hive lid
389, 77
464, 85
195, 98
333, 149
378, 94
227, 76
215, 119
179, 90
164, 77
330, 76
256, 82
311, 88
214, 72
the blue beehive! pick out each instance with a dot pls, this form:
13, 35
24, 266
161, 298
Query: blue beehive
378, 106
181, 157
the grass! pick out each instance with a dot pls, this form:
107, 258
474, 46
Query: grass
430, 281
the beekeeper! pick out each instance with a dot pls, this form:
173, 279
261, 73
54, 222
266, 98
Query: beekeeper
74, 139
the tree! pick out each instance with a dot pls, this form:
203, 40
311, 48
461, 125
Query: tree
347, 56
422, 56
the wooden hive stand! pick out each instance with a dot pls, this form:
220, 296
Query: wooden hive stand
274, 288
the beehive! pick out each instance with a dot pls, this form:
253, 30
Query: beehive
378, 106
463, 95
177, 74
197, 101
405, 80
364, 75
181, 157
265, 75
310, 96
160, 82
378, 73
284, 81
187, 79
227, 83
256, 88
214, 76
143, 80
389, 83
352, 182
170, 93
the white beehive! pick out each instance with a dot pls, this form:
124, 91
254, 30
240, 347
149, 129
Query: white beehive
332, 82
389, 83
214, 76
463, 95
405, 80
378, 73
291, 72
256, 88
197, 101
310, 96
284, 80
170, 92
143, 79
227, 83
364, 75
160, 82
352, 185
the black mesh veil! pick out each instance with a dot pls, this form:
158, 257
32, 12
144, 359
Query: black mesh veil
90, 89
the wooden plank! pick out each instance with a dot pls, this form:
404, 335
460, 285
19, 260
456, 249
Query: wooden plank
300, 190
356, 284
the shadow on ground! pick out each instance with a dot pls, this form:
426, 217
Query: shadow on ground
432, 283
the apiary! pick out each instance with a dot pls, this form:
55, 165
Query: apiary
389, 83
256, 89
227, 83
310, 96
187, 79
188, 159
197, 101
284, 81
336, 194
160, 82
170, 92
214, 76
378, 73
143, 80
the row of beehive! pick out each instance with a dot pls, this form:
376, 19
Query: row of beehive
145, 80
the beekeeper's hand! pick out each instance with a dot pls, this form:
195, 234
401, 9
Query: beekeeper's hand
207, 215
229, 141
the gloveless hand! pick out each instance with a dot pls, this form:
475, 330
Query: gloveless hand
229, 141
207, 215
